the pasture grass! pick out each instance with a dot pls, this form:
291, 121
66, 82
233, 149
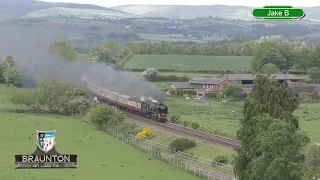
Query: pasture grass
100, 155
178, 37
190, 62
180, 74
203, 149
224, 117
80, 13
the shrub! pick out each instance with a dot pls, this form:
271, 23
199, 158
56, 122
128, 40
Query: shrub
182, 144
186, 123
146, 132
211, 95
175, 119
105, 116
221, 159
171, 78
127, 128
190, 92
314, 73
195, 125
196, 71
52, 96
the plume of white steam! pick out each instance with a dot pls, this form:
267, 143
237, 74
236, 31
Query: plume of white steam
28, 48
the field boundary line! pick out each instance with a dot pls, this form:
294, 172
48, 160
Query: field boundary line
199, 166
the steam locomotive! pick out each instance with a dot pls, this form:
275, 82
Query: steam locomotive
145, 107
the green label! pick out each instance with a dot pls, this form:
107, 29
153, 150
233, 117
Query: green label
278, 13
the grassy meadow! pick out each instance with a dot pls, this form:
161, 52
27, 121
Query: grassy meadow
178, 37
186, 62
99, 154
80, 13
223, 118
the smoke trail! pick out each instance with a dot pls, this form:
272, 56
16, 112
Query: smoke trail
28, 48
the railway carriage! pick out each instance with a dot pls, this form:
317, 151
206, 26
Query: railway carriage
134, 104
123, 101
142, 106
113, 96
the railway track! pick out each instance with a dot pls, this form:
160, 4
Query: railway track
210, 138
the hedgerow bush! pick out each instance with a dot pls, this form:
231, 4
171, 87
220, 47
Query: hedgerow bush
221, 159
182, 144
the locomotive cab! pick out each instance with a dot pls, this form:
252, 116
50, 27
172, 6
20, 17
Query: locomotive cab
163, 113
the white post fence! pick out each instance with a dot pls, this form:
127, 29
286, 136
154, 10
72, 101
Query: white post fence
201, 167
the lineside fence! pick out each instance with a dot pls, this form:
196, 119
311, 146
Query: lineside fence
201, 167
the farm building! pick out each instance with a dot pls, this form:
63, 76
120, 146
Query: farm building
296, 90
249, 78
202, 85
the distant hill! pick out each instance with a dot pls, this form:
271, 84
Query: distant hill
184, 11
18, 8
79, 13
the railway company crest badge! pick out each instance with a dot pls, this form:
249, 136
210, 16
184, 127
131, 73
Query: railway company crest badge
46, 140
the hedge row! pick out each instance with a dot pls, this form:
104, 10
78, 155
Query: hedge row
194, 71
171, 78
208, 71
125, 59
179, 92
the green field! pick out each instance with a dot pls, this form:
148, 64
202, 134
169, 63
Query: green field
100, 155
224, 121
186, 62
77, 13
178, 37
180, 74
203, 149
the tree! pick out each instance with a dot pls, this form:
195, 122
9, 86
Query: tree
303, 58
5, 64
315, 60
63, 50
13, 76
112, 44
314, 73
270, 102
105, 116
124, 53
259, 51
273, 57
232, 90
150, 73
100, 53
52, 96
313, 168
269, 69
278, 154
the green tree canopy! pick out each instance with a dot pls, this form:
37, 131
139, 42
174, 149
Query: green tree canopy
232, 90
273, 57
101, 53
269, 68
63, 50
105, 116
53, 96
13, 76
314, 73
270, 102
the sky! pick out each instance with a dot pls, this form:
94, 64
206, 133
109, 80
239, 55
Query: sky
255, 3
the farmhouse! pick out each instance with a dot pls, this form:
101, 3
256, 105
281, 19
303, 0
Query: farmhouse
202, 85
